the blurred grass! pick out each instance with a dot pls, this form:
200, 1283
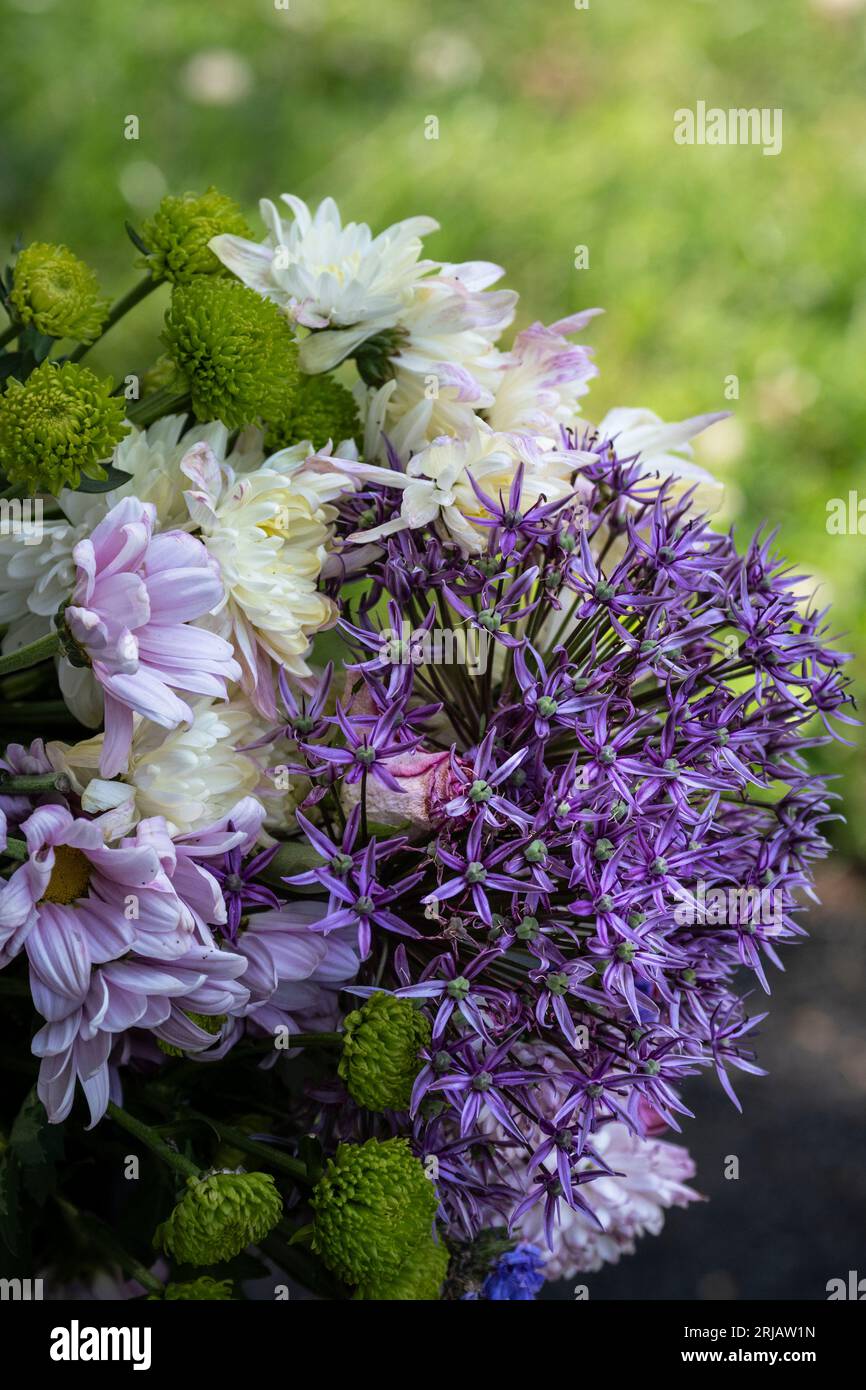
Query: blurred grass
555, 131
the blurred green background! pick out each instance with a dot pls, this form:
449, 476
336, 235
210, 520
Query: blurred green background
555, 131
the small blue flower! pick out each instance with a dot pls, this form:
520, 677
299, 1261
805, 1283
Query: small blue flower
516, 1275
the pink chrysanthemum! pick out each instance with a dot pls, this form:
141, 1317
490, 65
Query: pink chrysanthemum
117, 938
649, 1176
129, 617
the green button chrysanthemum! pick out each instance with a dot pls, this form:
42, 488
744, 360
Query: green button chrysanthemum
219, 1215
374, 1205
177, 235
57, 293
234, 349
323, 409
380, 1052
200, 1290
59, 423
419, 1278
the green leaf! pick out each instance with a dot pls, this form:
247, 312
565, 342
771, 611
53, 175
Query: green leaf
303, 1236
136, 239
311, 1153
33, 1141
292, 857
113, 478
36, 344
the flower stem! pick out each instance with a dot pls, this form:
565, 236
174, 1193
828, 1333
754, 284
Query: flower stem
123, 306
165, 401
103, 1237
31, 655
238, 1140
35, 782
184, 1166
9, 333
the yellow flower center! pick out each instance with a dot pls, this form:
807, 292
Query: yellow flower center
70, 876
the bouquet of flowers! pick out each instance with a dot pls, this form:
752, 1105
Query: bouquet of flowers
403, 781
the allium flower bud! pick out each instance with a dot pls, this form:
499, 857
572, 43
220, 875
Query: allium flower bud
374, 1205
234, 350
380, 1052
56, 425
219, 1215
177, 235
57, 293
323, 409
419, 1279
200, 1290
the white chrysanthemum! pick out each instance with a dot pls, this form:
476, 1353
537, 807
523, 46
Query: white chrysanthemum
664, 448
269, 531
37, 579
447, 366
152, 457
192, 775
543, 379
329, 276
437, 487
651, 1177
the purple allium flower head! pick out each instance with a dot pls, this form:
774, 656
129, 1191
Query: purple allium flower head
633, 749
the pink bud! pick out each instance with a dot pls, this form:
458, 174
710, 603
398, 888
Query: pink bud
427, 783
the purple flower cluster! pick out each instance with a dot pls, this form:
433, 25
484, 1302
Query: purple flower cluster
638, 730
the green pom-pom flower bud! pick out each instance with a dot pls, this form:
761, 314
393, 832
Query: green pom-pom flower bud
419, 1279
200, 1290
57, 293
234, 350
380, 1052
323, 409
374, 1205
219, 1215
56, 425
177, 235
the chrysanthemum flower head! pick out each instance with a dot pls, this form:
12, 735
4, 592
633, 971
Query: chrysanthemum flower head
234, 350
58, 293
268, 530
219, 1215
178, 234
203, 1290
61, 422
130, 620
328, 275
380, 1052
374, 1204
322, 410
419, 1278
